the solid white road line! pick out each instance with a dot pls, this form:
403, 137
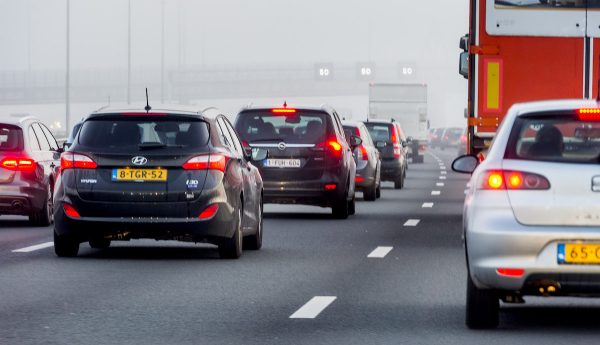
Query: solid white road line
436, 192
412, 222
34, 248
313, 308
380, 252
440, 184
427, 205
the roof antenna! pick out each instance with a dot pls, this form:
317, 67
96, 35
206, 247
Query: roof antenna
147, 108
285, 104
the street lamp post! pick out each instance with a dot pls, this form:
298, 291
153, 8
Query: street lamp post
162, 55
68, 77
129, 52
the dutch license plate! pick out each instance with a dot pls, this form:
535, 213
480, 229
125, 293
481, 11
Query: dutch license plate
579, 253
140, 175
282, 163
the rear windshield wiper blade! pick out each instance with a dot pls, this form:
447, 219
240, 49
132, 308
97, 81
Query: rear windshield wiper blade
263, 140
150, 146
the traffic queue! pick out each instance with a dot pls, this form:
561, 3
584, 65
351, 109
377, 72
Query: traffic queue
189, 175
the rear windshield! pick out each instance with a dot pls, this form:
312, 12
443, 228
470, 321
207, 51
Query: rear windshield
74, 132
555, 139
298, 128
379, 131
11, 138
143, 133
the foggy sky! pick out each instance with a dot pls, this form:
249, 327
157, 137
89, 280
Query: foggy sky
243, 33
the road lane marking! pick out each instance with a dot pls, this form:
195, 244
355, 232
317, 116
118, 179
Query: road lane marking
412, 222
443, 172
427, 205
440, 184
313, 308
436, 192
442, 177
380, 252
34, 248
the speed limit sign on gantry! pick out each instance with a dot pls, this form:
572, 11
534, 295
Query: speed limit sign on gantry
324, 71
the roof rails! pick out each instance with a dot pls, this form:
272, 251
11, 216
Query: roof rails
26, 118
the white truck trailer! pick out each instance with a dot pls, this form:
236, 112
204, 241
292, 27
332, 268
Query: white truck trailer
406, 104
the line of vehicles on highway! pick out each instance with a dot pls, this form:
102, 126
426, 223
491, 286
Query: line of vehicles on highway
191, 175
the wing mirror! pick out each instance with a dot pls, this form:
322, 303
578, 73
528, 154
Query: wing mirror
259, 154
465, 164
247, 150
409, 140
355, 141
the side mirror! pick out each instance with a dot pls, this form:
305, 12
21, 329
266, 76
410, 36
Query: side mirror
355, 141
404, 143
259, 154
247, 150
465, 164
409, 140
380, 144
463, 68
65, 146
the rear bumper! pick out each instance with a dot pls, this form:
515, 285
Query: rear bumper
303, 192
368, 174
221, 226
494, 239
391, 170
21, 200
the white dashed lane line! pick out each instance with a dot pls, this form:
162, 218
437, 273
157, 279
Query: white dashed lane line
443, 172
412, 222
442, 177
440, 184
380, 252
436, 192
34, 248
313, 308
427, 205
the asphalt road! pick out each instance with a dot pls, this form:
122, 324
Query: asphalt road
313, 282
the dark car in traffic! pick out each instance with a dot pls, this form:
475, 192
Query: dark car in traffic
163, 175
368, 162
29, 165
392, 148
309, 160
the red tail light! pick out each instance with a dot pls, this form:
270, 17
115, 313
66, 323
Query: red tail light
283, 111
463, 139
18, 164
511, 272
70, 160
396, 145
362, 153
513, 180
70, 211
209, 212
592, 114
330, 186
214, 161
359, 179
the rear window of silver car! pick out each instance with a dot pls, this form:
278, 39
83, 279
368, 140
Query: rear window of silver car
555, 138
11, 138
302, 127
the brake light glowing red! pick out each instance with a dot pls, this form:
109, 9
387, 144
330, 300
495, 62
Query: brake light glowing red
70, 211
511, 272
284, 111
215, 161
18, 164
70, 160
364, 155
330, 186
513, 180
359, 179
592, 114
209, 212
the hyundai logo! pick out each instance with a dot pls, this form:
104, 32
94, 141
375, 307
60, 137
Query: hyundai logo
139, 160
281, 146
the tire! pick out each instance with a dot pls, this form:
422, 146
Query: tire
483, 307
65, 246
399, 182
45, 216
370, 194
254, 242
341, 209
99, 243
378, 191
352, 206
231, 248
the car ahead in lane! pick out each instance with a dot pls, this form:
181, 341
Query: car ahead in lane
29, 165
368, 163
163, 175
309, 161
532, 213
393, 150
451, 138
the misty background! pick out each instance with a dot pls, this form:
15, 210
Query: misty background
228, 53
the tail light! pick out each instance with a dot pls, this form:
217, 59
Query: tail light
209, 212
362, 153
359, 179
215, 161
511, 272
396, 145
333, 146
512, 180
592, 114
330, 186
463, 139
70, 211
18, 164
70, 160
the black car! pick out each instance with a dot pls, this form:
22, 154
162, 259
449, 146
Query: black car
164, 175
29, 165
388, 140
368, 162
72, 135
309, 161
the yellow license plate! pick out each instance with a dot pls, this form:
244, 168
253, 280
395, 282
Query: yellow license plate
579, 253
140, 175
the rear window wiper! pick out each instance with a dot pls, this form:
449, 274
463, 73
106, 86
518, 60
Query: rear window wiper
150, 146
263, 140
